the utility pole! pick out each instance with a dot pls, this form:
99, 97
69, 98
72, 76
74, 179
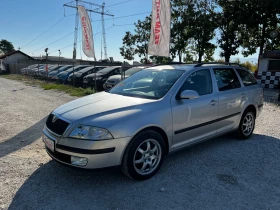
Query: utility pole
101, 49
100, 9
59, 53
103, 32
76, 31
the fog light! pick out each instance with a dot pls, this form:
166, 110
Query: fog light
79, 161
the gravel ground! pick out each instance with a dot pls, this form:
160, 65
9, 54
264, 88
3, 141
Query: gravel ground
223, 173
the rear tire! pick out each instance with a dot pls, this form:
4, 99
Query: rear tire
144, 155
247, 124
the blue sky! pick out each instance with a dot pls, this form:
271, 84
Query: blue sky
22, 21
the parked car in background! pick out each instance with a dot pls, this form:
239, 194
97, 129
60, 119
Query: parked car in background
62, 76
101, 77
35, 71
113, 80
31, 68
78, 76
53, 74
25, 70
136, 128
45, 73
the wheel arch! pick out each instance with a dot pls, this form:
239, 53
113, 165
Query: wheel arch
252, 108
158, 130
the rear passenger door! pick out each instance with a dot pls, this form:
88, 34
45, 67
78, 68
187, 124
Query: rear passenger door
231, 97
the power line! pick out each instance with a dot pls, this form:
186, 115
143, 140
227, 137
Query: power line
80, 40
122, 2
125, 25
43, 33
54, 41
124, 16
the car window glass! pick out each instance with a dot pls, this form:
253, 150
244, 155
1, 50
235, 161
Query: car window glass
226, 79
149, 83
200, 81
246, 77
117, 71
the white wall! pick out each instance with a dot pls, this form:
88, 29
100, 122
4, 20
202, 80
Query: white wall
13, 59
263, 65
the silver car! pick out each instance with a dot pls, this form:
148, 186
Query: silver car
154, 112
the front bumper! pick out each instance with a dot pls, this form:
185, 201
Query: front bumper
100, 154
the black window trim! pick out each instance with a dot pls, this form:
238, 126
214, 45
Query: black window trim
177, 96
246, 85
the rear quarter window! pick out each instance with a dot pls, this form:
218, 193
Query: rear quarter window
246, 77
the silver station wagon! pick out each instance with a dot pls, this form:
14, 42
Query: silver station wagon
154, 112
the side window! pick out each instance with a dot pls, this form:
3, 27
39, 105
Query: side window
117, 71
200, 81
226, 79
246, 77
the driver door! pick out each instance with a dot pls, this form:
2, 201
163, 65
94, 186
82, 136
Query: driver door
194, 119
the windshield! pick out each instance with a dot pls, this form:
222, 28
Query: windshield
107, 70
55, 68
133, 70
148, 83
86, 69
64, 67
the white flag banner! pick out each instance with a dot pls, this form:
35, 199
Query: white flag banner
88, 45
160, 28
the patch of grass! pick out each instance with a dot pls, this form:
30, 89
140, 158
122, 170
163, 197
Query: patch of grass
73, 91
14, 76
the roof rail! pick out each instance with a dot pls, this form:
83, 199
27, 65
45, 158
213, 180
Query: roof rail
224, 63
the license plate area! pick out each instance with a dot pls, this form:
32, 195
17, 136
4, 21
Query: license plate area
48, 142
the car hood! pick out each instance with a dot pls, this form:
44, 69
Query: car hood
115, 77
53, 72
100, 105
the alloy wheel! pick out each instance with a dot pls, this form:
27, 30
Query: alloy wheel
147, 157
248, 124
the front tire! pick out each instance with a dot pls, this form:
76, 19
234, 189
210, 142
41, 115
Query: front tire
247, 124
144, 155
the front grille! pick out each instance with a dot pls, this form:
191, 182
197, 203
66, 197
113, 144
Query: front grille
57, 127
60, 156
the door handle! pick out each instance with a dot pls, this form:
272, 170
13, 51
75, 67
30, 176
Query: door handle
213, 102
243, 95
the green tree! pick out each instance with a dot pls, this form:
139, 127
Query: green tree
183, 12
158, 59
229, 21
137, 43
260, 18
128, 48
6, 47
203, 29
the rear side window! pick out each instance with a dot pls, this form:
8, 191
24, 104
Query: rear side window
246, 77
226, 79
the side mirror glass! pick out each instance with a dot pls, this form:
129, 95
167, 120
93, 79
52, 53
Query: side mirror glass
189, 94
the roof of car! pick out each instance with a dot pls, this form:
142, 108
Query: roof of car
183, 66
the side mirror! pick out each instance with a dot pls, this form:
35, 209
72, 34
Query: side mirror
189, 94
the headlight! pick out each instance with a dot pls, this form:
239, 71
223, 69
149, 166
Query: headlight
97, 78
90, 133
